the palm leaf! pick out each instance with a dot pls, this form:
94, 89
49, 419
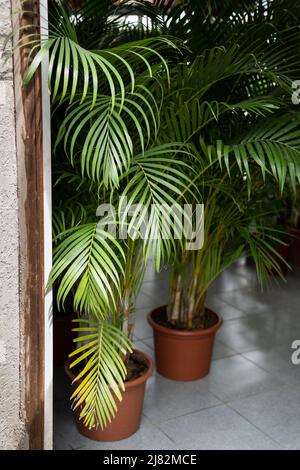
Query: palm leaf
66, 218
88, 261
155, 184
101, 356
108, 135
273, 145
74, 69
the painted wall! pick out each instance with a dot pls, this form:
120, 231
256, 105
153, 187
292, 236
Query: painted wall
12, 435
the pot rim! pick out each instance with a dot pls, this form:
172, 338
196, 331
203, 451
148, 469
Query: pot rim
183, 334
128, 385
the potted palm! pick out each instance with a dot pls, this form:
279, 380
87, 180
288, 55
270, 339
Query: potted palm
235, 226
105, 275
106, 98
108, 377
261, 146
124, 138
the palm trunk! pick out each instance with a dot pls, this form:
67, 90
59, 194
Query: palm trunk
192, 301
126, 327
201, 305
176, 289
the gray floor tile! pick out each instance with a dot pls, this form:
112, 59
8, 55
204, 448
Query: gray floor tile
281, 298
216, 428
235, 377
153, 276
142, 328
257, 332
167, 398
283, 301
221, 350
145, 302
227, 312
251, 372
243, 301
246, 270
67, 437
158, 292
143, 346
65, 433
277, 413
148, 437
149, 342
229, 281
277, 360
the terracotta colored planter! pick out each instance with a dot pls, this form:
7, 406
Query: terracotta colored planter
295, 246
182, 355
62, 338
128, 417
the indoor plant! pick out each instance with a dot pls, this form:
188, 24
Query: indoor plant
261, 146
93, 268
107, 125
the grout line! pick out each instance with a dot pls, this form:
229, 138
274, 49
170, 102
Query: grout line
165, 434
224, 344
259, 366
148, 345
254, 425
190, 413
142, 339
253, 394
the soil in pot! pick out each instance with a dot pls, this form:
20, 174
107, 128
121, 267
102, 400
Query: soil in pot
207, 320
128, 417
183, 354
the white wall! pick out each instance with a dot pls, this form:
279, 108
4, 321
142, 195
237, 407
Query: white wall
46, 118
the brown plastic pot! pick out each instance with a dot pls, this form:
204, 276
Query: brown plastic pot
295, 246
128, 418
62, 338
182, 355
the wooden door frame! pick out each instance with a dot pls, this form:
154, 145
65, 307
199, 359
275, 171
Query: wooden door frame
34, 185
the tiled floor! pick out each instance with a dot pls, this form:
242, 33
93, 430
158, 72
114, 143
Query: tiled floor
251, 398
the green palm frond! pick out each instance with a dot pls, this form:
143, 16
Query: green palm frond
212, 66
101, 352
67, 217
258, 105
74, 69
108, 136
263, 243
89, 261
236, 225
274, 145
184, 121
238, 73
154, 185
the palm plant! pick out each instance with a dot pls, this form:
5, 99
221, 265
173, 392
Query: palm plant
122, 133
263, 145
236, 225
106, 100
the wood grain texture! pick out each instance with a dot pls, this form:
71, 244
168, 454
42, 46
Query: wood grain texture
30, 178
